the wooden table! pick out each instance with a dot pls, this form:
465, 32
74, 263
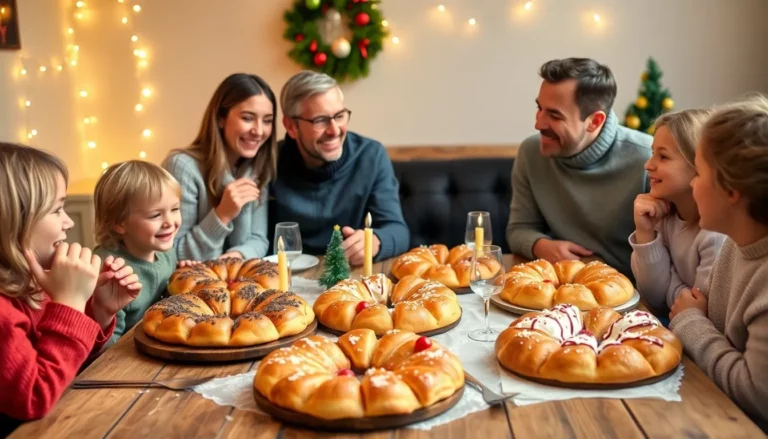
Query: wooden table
704, 411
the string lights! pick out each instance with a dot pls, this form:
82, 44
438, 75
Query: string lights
129, 11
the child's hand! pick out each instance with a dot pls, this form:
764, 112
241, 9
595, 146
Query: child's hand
237, 255
649, 210
187, 263
72, 277
692, 298
117, 287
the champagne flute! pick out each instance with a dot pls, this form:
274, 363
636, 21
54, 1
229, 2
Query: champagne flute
486, 278
291, 239
478, 220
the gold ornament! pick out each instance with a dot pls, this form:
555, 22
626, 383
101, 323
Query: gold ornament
641, 102
667, 103
341, 47
644, 77
651, 130
633, 121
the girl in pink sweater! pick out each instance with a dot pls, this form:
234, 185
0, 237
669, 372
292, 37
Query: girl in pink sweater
670, 252
725, 331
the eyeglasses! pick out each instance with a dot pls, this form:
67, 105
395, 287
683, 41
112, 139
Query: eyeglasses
321, 123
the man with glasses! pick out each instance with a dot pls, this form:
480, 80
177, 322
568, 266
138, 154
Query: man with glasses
327, 175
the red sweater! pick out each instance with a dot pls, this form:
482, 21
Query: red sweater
41, 351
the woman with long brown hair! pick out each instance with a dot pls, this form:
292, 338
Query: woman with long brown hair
225, 171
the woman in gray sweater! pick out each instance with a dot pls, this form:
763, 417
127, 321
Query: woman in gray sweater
225, 171
726, 331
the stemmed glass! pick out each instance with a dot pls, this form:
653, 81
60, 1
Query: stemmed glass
486, 278
291, 239
289, 231
477, 220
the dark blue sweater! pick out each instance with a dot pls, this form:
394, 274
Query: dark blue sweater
340, 192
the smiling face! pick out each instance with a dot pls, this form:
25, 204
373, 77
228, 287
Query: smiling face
51, 230
247, 127
320, 143
151, 225
558, 118
669, 172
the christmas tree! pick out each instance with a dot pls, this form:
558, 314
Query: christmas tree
336, 264
652, 100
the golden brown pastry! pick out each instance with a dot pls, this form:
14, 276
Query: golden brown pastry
227, 302
401, 372
598, 346
541, 285
450, 268
419, 305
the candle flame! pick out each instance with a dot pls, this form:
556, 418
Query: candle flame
480, 221
280, 246
368, 221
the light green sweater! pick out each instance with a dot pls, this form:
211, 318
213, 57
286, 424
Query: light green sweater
153, 277
586, 198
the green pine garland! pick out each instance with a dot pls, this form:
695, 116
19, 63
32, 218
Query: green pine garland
653, 100
336, 263
302, 30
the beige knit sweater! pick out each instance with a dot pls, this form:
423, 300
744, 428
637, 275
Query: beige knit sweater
730, 343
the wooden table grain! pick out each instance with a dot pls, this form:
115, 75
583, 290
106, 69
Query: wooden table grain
705, 412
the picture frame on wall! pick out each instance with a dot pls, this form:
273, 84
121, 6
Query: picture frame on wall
10, 38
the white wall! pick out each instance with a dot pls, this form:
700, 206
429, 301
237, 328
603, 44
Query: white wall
445, 83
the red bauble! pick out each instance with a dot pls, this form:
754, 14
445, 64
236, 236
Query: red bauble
362, 45
320, 59
345, 373
299, 38
422, 344
361, 306
366, 42
363, 52
313, 46
362, 19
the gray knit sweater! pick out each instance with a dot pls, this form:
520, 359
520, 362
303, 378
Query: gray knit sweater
730, 342
680, 257
586, 198
202, 236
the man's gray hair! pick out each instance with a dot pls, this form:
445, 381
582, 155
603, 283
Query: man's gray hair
301, 86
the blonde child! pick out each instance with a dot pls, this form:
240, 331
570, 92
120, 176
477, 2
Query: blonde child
57, 301
726, 331
670, 252
136, 218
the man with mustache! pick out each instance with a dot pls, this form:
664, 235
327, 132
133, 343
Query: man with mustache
327, 175
574, 183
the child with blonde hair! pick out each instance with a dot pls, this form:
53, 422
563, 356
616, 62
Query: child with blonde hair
136, 218
57, 300
670, 252
726, 331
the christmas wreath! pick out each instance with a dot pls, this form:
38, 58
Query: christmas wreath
336, 37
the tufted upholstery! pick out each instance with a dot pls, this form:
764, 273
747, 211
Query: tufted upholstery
436, 196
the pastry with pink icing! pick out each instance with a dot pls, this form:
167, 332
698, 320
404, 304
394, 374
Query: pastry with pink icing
598, 346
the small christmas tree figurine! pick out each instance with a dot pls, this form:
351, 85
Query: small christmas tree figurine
336, 263
652, 101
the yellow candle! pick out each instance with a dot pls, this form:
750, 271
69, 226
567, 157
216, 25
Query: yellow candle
479, 239
282, 265
368, 261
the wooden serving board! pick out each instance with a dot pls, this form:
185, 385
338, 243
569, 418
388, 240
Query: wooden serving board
304, 420
425, 333
159, 349
596, 386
